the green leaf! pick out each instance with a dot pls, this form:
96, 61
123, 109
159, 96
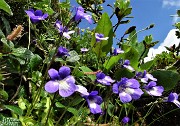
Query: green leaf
73, 56
22, 52
35, 61
4, 6
168, 79
78, 99
3, 95
147, 65
110, 63
87, 69
104, 26
123, 73
14, 109
59, 105
73, 111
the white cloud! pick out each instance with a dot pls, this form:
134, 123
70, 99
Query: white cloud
171, 3
169, 41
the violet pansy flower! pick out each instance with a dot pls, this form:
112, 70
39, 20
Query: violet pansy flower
153, 90
103, 79
117, 51
127, 65
173, 97
94, 101
144, 77
81, 15
125, 120
62, 51
61, 80
36, 16
128, 89
63, 30
100, 37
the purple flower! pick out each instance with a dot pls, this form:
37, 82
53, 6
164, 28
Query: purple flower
100, 37
117, 51
81, 15
63, 30
103, 79
153, 90
62, 51
83, 50
173, 97
81, 90
36, 16
125, 120
127, 89
94, 101
61, 80
145, 77
127, 65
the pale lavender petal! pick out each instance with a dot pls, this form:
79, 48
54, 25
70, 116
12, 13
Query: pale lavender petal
129, 67
53, 74
103, 81
64, 71
172, 97
88, 18
70, 79
155, 91
108, 79
132, 83
176, 102
52, 86
94, 108
125, 97
151, 77
82, 90
30, 13
66, 89
136, 94
45, 16
144, 80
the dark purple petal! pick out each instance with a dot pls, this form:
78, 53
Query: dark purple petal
52, 86
127, 62
172, 97
150, 85
132, 83
125, 97
64, 71
54, 75
98, 99
79, 14
45, 16
66, 89
125, 120
115, 88
93, 93
38, 13
100, 75
62, 51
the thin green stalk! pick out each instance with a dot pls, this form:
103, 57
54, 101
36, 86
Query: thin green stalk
52, 103
29, 32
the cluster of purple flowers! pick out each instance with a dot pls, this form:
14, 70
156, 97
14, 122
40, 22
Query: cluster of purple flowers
127, 89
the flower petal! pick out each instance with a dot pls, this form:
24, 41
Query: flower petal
64, 71
53, 74
82, 90
136, 94
66, 89
132, 83
155, 91
52, 86
125, 97
94, 108
30, 13
151, 77
115, 88
38, 13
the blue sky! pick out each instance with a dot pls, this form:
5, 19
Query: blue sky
146, 12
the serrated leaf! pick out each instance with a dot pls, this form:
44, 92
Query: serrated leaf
4, 6
168, 79
104, 27
73, 56
14, 109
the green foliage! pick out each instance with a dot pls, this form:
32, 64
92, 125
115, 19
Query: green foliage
168, 79
104, 26
4, 6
